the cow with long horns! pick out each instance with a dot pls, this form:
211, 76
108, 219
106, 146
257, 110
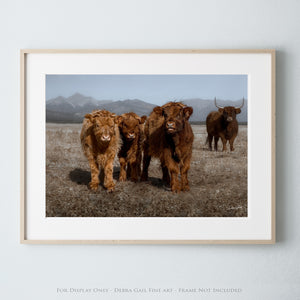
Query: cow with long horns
223, 124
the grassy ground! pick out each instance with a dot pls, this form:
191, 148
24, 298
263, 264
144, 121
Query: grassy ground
218, 182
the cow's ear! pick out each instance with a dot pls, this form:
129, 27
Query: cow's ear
221, 110
158, 110
118, 120
89, 117
143, 119
187, 111
138, 118
237, 110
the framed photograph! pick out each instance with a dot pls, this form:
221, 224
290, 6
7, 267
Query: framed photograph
148, 146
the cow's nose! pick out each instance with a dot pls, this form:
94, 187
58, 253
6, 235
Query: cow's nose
170, 124
105, 138
131, 135
229, 119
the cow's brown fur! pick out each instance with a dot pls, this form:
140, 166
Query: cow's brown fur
222, 124
169, 137
130, 154
100, 140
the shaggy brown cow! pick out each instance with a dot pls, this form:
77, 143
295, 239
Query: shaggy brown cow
222, 124
130, 154
100, 140
169, 137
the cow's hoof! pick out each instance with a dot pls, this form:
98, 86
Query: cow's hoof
144, 177
134, 179
185, 188
93, 186
175, 189
110, 187
166, 181
122, 178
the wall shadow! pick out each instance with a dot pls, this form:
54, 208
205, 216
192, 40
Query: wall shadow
283, 117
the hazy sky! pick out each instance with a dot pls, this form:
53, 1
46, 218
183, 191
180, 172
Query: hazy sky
154, 89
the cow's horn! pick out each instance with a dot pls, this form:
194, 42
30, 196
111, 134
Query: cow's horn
242, 104
218, 106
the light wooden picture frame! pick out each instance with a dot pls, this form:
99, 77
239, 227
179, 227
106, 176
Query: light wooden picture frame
45, 73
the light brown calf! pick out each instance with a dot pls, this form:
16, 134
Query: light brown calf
100, 140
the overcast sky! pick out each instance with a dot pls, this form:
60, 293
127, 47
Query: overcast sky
154, 89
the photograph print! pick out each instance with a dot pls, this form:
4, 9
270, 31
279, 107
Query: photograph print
146, 145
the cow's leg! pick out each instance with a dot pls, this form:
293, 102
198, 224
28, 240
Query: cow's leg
133, 171
122, 176
146, 163
166, 176
224, 141
174, 170
210, 138
138, 161
183, 171
94, 174
93, 185
231, 142
133, 166
108, 175
216, 142
128, 170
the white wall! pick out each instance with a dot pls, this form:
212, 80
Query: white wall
262, 272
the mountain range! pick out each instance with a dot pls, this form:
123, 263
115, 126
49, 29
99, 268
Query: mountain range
72, 109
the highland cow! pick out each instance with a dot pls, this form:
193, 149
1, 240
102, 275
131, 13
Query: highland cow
100, 140
222, 124
130, 154
169, 136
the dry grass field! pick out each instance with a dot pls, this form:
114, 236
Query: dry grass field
218, 182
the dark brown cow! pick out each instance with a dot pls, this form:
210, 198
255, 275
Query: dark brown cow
222, 124
130, 154
169, 136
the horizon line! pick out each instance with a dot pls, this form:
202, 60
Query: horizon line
131, 99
